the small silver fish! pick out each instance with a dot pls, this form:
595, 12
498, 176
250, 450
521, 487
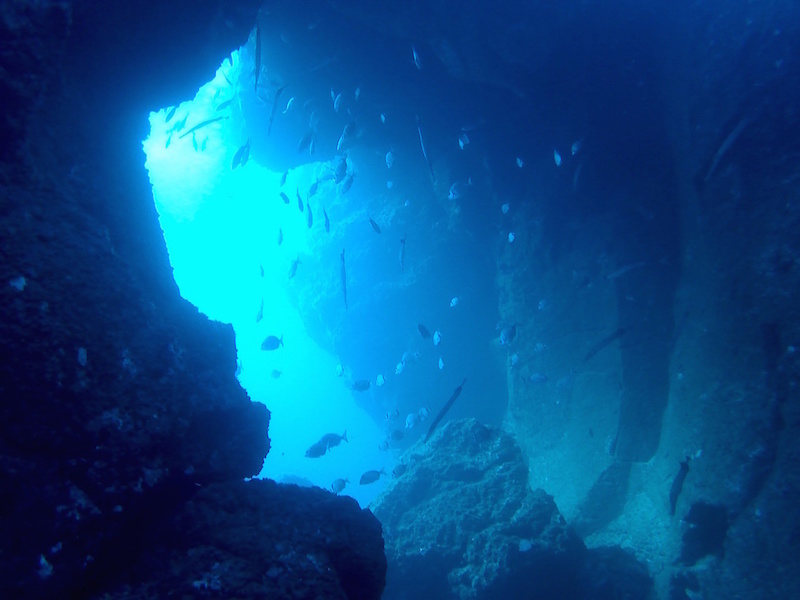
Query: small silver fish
557, 158
389, 159
288, 105
415, 56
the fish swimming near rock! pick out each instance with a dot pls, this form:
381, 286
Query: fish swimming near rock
280, 236
402, 252
507, 335
257, 58
283, 177
241, 155
299, 200
317, 450
347, 184
327, 221
285, 198
204, 124
344, 280
293, 268
677, 485
417, 60
371, 477
272, 343
310, 219
444, 410
276, 374
425, 152
306, 142
260, 313
340, 171
275, 101
375, 227
362, 385
170, 113
423, 331
224, 105
338, 485
399, 470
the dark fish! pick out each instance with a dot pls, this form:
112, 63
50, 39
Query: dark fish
283, 177
241, 156
293, 268
371, 476
276, 374
424, 152
261, 269
677, 485
275, 100
332, 439
280, 236
327, 221
258, 57
272, 343
338, 485
313, 189
179, 124
399, 470
375, 227
444, 410
508, 334
299, 201
396, 435
306, 141
403, 252
169, 141
340, 172
200, 125
362, 385
317, 450
170, 113
260, 313
344, 280
310, 220
347, 184
194, 143
603, 343
423, 331
224, 105
285, 198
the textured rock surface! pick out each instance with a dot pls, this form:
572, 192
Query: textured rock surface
461, 522
119, 401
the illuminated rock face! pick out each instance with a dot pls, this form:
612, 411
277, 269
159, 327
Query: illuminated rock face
121, 415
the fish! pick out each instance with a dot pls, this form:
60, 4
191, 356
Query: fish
299, 200
508, 334
520, 162
241, 155
276, 374
537, 378
337, 102
437, 338
511, 237
199, 125
327, 221
441, 363
347, 184
422, 414
310, 219
332, 440
293, 268
179, 124
340, 171
261, 270
260, 313
410, 358
272, 112
288, 105
454, 302
401, 366
445, 408
392, 415
316, 450
371, 477
313, 189
357, 93
397, 435
455, 192
603, 343
423, 332
411, 420
677, 485
257, 58
344, 280
380, 380
463, 140
224, 105
338, 485
424, 152
624, 269
383, 446
170, 113
557, 158
576, 146
389, 159
505, 208
383, 117
194, 142
339, 370
169, 141
399, 470
285, 198
415, 56
272, 342
375, 227
514, 359
402, 252
348, 132
362, 385
306, 141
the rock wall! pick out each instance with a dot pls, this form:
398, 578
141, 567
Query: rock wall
120, 409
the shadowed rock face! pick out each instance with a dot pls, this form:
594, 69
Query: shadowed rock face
122, 426
461, 522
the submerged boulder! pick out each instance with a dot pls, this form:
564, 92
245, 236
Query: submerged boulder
461, 522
